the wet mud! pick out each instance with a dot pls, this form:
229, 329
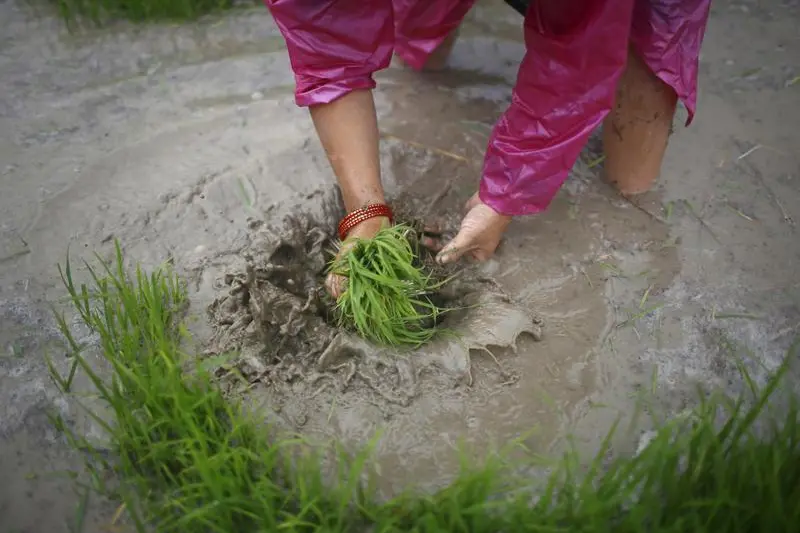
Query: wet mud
277, 326
183, 142
522, 354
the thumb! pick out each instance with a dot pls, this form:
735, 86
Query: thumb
335, 284
455, 249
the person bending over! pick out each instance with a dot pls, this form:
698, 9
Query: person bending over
625, 62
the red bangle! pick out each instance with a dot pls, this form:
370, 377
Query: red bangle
354, 218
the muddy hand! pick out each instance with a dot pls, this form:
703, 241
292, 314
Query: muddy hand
432, 235
336, 284
480, 233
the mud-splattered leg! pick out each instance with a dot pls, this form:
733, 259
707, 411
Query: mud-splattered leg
636, 131
666, 36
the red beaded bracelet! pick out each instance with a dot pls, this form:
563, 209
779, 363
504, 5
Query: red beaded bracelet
354, 218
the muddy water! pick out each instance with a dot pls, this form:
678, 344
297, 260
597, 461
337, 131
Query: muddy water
567, 267
185, 143
564, 267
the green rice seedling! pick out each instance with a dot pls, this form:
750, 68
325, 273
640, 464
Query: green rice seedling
185, 458
388, 296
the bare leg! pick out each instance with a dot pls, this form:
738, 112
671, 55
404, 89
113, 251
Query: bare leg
635, 133
662, 67
438, 59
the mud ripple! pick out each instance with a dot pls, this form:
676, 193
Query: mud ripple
272, 326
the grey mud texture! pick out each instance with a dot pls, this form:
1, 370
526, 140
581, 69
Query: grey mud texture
183, 142
273, 319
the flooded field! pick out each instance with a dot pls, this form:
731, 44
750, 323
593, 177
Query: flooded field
184, 143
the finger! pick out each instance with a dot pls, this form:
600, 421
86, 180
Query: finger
434, 244
480, 255
335, 285
456, 248
432, 235
433, 226
330, 286
450, 254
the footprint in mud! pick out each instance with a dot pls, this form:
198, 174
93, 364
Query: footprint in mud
273, 313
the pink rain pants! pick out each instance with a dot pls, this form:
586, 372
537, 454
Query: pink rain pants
576, 51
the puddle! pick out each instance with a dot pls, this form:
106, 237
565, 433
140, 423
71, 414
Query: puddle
519, 364
274, 311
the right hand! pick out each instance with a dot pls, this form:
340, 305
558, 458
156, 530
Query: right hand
336, 284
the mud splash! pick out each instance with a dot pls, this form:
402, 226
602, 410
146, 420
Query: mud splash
273, 315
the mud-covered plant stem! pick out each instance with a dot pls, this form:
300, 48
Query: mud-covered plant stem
387, 295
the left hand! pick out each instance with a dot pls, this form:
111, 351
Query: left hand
479, 235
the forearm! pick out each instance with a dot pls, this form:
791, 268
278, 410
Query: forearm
333, 67
348, 130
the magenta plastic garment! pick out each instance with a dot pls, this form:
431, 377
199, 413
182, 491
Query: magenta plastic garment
336, 45
576, 51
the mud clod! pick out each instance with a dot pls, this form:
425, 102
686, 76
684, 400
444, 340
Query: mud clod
273, 313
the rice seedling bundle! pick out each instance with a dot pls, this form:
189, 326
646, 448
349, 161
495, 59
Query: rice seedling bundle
387, 298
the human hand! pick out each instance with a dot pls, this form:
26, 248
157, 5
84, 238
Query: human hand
336, 284
479, 235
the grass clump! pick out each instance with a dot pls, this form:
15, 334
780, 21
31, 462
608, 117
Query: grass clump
387, 298
98, 11
187, 460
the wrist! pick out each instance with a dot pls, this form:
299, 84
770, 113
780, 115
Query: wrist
500, 216
500, 205
367, 219
368, 228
